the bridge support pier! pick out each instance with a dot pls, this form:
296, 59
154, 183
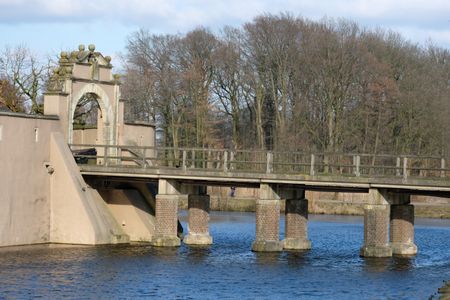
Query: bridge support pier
198, 220
296, 225
376, 231
267, 221
166, 215
402, 230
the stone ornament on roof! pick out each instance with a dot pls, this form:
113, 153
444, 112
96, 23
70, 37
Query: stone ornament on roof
89, 56
82, 56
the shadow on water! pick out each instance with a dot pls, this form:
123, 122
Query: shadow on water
267, 258
296, 258
403, 263
197, 254
384, 264
168, 254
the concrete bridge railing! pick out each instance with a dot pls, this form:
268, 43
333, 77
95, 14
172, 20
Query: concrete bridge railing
257, 161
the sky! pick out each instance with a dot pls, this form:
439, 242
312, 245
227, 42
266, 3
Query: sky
50, 26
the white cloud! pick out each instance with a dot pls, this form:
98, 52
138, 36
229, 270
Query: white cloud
417, 19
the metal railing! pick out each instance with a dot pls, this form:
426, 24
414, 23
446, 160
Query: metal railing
257, 161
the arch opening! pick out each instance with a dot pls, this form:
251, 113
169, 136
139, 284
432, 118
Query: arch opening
87, 112
88, 121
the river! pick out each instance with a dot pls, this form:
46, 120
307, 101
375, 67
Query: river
229, 270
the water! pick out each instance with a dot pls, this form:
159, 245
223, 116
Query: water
229, 270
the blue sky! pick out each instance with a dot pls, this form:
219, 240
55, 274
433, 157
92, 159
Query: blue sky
49, 26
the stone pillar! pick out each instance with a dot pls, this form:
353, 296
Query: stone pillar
198, 205
376, 230
296, 225
166, 215
267, 221
402, 230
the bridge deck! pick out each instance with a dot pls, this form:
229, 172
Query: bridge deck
411, 174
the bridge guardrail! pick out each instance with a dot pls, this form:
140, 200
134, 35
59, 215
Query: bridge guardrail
226, 160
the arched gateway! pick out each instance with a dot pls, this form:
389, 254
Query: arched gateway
85, 74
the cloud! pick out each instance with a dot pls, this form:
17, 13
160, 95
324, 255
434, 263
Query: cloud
171, 16
173, 13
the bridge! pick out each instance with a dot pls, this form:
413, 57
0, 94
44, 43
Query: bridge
389, 180
109, 201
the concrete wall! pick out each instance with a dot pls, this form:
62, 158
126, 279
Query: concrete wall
78, 214
137, 134
132, 211
85, 136
133, 134
24, 180
44, 198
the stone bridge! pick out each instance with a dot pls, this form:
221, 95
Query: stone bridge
389, 181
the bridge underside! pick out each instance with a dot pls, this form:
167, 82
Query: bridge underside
388, 218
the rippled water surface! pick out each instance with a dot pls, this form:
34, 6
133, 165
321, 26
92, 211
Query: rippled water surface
229, 270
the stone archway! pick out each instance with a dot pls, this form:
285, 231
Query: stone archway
79, 73
105, 128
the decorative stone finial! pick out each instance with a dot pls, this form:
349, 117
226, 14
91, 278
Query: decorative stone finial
81, 47
91, 47
116, 77
108, 59
63, 54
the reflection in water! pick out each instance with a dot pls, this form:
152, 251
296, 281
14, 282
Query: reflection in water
267, 258
377, 265
402, 263
296, 259
383, 264
198, 254
168, 254
228, 269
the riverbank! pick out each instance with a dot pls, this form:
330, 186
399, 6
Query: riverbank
444, 291
321, 203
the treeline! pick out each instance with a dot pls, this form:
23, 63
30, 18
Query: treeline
286, 83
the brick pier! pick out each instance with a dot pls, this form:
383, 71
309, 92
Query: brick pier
198, 206
402, 230
296, 225
267, 221
166, 215
376, 231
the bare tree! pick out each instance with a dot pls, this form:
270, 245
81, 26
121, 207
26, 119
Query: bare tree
28, 76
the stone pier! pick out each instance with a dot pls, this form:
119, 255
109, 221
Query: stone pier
402, 230
376, 231
376, 226
296, 223
198, 206
267, 221
166, 214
